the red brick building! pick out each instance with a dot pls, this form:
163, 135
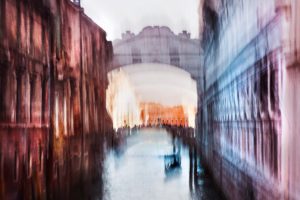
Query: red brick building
53, 61
156, 114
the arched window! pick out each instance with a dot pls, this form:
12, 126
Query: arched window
174, 57
136, 55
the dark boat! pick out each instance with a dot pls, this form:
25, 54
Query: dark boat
172, 161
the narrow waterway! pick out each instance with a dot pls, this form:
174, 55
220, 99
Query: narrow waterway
138, 169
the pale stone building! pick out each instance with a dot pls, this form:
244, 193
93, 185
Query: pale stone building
158, 45
249, 110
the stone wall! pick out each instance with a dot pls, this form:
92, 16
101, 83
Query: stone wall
53, 64
247, 125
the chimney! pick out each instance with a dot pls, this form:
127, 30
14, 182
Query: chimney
185, 35
77, 2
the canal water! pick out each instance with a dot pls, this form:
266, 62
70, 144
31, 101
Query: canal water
135, 170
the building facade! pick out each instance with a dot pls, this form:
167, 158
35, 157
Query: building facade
249, 106
53, 64
154, 114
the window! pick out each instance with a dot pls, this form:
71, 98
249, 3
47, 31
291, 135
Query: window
136, 55
41, 157
174, 57
16, 166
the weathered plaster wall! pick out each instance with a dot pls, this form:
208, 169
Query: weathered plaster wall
53, 63
247, 125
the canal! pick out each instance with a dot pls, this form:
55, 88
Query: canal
138, 169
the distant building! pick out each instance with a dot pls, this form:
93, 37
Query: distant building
156, 114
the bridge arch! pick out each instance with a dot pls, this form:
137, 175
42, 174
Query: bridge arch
151, 94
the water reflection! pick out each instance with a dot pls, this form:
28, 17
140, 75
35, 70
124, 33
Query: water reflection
153, 164
150, 163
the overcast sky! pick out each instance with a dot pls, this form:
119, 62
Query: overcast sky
117, 16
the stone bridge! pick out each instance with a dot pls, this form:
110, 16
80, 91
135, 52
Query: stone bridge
158, 45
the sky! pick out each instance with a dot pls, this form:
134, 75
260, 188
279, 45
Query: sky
118, 16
